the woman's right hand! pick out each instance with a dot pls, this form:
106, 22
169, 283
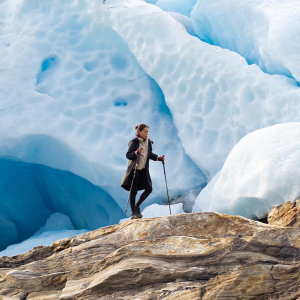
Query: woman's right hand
139, 150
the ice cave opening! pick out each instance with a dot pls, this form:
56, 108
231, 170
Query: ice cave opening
30, 193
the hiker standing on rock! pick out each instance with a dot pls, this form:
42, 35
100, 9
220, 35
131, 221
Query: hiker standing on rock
137, 176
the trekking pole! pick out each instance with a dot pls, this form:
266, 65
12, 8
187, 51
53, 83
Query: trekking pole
137, 161
166, 185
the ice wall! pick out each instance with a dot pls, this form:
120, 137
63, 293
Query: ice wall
214, 96
71, 93
81, 89
265, 32
260, 172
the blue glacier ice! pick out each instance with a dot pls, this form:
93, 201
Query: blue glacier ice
77, 76
180, 10
30, 193
185, 21
265, 32
183, 7
214, 96
57, 226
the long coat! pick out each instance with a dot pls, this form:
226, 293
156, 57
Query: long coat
131, 156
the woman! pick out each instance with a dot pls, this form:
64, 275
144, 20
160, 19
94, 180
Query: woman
139, 152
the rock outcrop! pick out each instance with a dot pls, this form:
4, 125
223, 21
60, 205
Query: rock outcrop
188, 256
287, 214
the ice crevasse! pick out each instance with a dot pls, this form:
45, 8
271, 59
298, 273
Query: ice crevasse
79, 75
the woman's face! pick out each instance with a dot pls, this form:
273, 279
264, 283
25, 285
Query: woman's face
144, 133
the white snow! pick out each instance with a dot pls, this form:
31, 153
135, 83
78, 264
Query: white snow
265, 32
260, 172
203, 200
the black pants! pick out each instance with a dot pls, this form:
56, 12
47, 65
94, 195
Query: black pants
140, 182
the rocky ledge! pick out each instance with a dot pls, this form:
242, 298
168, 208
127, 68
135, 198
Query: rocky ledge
187, 256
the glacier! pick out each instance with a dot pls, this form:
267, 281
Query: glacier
261, 171
214, 96
78, 75
70, 99
265, 32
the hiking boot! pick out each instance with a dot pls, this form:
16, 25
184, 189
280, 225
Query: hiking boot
135, 215
138, 211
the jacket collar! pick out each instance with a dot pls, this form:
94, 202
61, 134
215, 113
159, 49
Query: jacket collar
137, 139
141, 140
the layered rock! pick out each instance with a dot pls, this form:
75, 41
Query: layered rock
287, 214
188, 256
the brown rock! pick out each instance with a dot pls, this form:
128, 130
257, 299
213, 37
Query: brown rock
188, 256
253, 282
287, 214
256, 281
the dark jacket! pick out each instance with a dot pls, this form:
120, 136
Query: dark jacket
131, 156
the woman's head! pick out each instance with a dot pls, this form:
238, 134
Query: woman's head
142, 130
